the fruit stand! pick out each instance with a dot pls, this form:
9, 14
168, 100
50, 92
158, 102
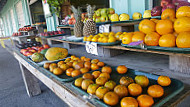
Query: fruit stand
81, 68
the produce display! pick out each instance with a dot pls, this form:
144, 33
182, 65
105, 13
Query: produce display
105, 37
26, 29
33, 49
172, 30
17, 34
168, 4
103, 15
74, 66
28, 44
52, 33
126, 91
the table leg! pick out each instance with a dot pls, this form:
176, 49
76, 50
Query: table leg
30, 81
179, 64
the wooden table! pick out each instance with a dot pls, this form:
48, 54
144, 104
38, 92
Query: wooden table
178, 62
31, 73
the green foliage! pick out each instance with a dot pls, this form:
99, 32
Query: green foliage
55, 6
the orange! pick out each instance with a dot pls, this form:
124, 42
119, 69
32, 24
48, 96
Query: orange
134, 89
94, 67
68, 59
84, 70
96, 74
78, 82
110, 85
145, 100
86, 83
46, 65
101, 91
182, 24
151, 39
92, 88
183, 40
147, 26
64, 67
60, 63
138, 36
87, 65
155, 20
167, 40
87, 59
127, 38
82, 58
168, 14
69, 71
142, 80
88, 76
79, 65
121, 91
52, 66
70, 64
164, 27
183, 11
164, 80
129, 102
101, 80
125, 80
104, 74
75, 73
155, 91
100, 64
72, 56
121, 69
106, 69
57, 71
94, 61
111, 98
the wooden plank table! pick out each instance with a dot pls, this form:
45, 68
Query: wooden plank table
178, 62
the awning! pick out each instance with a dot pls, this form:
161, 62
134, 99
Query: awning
2, 4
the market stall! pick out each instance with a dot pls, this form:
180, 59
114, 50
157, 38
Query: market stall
104, 32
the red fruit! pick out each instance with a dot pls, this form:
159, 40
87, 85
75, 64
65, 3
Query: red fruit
156, 11
23, 51
46, 46
165, 2
70, 21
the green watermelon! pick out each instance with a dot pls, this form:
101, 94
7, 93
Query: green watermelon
44, 51
37, 57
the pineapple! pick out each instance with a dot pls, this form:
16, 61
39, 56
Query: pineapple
78, 26
90, 26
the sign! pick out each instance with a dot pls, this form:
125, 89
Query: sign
92, 48
104, 28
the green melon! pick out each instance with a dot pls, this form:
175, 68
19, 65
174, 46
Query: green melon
56, 53
37, 57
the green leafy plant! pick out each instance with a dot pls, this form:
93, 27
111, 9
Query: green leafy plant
55, 6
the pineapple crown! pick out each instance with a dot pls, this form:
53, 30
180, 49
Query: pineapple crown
90, 11
77, 12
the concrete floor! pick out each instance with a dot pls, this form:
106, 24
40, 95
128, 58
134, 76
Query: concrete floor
13, 93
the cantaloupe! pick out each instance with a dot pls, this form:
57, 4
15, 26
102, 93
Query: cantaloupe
56, 53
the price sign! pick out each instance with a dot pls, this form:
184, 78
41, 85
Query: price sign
91, 48
104, 28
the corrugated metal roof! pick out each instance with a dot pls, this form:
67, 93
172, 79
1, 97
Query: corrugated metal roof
2, 4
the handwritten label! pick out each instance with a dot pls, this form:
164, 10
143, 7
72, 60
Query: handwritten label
92, 48
104, 28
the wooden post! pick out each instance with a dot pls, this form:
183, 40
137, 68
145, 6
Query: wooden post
179, 64
30, 81
105, 52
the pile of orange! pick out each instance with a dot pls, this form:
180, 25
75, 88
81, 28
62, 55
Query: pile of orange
74, 66
98, 83
172, 30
